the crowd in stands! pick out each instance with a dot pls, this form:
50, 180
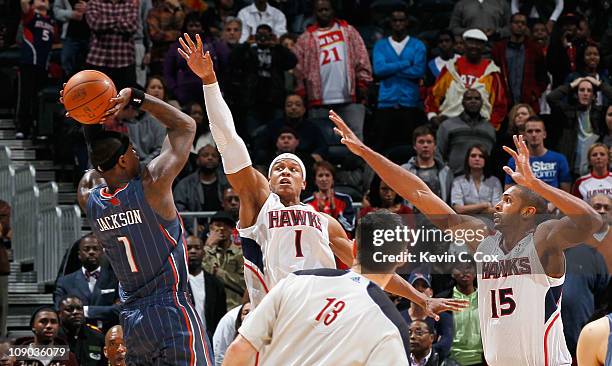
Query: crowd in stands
436, 86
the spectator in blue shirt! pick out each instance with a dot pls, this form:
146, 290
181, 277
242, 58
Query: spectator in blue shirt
399, 62
547, 165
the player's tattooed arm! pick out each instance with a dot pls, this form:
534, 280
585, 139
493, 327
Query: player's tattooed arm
90, 179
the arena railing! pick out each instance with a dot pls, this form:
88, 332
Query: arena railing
48, 195
59, 227
5, 156
7, 183
25, 177
25, 224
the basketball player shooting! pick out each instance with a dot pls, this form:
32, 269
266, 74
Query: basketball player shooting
279, 234
519, 293
131, 211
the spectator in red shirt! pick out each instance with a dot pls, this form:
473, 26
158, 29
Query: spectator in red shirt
381, 196
325, 199
522, 64
333, 69
599, 179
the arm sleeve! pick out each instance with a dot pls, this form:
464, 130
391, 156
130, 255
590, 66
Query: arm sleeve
245, 28
61, 11
445, 330
455, 20
508, 179
558, 10
59, 292
108, 313
224, 335
382, 67
416, 67
456, 194
280, 26
514, 6
441, 142
564, 172
497, 191
257, 327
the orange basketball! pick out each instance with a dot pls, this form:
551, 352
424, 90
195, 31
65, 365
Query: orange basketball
87, 96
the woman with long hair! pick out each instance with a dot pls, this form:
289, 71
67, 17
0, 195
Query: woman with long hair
477, 191
599, 179
327, 200
381, 196
588, 63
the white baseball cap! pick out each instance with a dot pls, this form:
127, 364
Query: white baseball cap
475, 34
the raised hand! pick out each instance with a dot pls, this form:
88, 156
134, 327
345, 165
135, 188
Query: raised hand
523, 174
347, 136
198, 61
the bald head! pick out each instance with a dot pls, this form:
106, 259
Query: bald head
603, 205
114, 346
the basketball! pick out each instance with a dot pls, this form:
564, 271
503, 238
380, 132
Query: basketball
87, 96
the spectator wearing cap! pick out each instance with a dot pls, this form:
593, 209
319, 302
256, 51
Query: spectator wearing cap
492, 16
522, 63
201, 190
223, 259
422, 336
208, 291
44, 323
562, 54
467, 343
333, 69
443, 327
399, 62
94, 283
258, 13
470, 71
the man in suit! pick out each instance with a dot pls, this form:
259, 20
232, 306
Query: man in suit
94, 284
208, 292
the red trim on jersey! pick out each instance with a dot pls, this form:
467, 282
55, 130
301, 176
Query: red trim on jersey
601, 176
104, 191
248, 266
167, 235
546, 338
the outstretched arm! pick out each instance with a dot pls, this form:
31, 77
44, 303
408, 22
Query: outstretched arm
408, 185
251, 186
343, 249
581, 222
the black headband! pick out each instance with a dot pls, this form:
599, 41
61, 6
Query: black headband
112, 160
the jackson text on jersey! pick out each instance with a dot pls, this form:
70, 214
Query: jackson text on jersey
115, 221
289, 217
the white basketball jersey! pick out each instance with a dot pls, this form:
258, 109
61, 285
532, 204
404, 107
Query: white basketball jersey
519, 307
283, 240
327, 317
